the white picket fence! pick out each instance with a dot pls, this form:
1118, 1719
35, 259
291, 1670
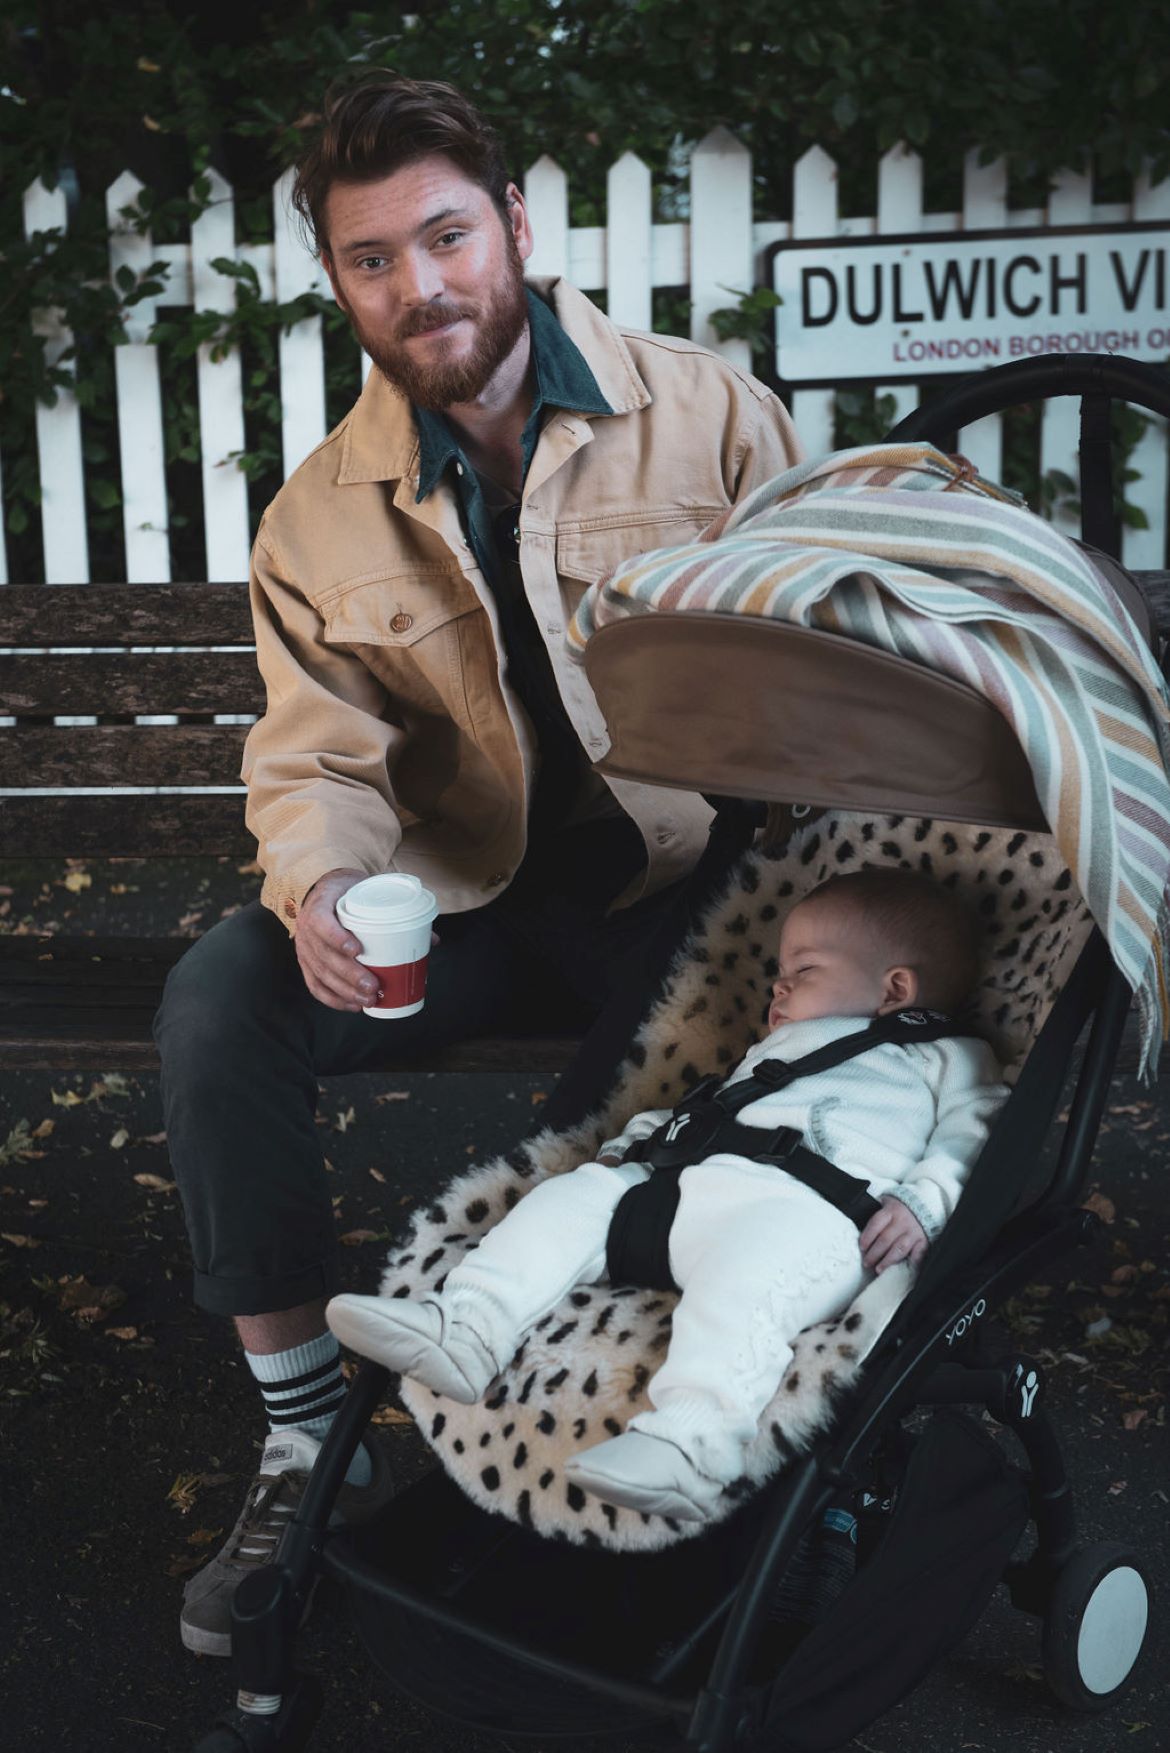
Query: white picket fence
720, 248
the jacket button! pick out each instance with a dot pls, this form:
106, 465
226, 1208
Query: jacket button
402, 623
290, 909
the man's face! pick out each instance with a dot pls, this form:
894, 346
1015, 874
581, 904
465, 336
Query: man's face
430, 275
828, 967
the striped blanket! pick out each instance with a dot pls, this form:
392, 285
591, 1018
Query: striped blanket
904, 548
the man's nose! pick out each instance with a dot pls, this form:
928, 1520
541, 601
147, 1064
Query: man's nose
419, 279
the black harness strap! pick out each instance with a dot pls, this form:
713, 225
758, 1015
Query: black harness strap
704, 1123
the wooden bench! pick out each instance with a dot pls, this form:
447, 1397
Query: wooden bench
86, 1003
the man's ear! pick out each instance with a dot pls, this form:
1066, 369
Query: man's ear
899, 989
518, 223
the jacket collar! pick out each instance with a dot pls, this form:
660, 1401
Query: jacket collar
381, 441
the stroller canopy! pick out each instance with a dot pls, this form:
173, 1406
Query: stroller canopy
882, 628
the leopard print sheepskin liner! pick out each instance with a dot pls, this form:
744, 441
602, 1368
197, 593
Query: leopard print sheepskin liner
583, 1372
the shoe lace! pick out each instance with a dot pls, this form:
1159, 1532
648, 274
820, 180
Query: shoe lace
269, 1507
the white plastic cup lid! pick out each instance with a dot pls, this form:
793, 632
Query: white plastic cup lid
392, 899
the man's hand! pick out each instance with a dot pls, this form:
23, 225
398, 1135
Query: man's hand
326, 951
892, 1234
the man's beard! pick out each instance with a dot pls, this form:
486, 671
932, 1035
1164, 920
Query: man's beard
437, 383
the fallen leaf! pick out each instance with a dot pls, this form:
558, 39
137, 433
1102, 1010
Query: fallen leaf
112, 1084
44, 1130
121, 1332
537, 1097
152, 1138
1131, 1420
393, 1096
1104, 1208
1123, 1274
77, 880
184, 1566
378, 1175
204, 1536
19, 1241
70, 1099
249, 869
120, 1138
157, 1182
391, 1415
355, 1238
79, 1294
1117, 1487
189, 920
342, 1122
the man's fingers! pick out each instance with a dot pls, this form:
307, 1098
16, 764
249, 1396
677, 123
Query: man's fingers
336, 979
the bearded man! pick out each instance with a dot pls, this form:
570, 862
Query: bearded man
411, 586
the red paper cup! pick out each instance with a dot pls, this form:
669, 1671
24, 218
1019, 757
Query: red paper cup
391, 916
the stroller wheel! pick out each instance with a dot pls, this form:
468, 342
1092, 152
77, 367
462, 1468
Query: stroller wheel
1095, 1625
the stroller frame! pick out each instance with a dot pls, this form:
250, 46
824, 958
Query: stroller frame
931, 1355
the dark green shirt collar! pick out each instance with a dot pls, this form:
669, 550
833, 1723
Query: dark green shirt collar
563, 380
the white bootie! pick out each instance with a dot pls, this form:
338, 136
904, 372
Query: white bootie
419, 1340
646, 1473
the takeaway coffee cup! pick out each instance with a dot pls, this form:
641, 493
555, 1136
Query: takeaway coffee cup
391, 917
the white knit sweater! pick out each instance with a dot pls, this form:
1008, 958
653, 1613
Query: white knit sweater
908, 1121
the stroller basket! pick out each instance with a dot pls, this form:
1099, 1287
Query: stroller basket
735, 1639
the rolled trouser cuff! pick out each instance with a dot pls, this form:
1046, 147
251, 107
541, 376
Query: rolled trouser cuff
266, 1296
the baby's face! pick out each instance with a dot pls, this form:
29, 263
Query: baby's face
828, 967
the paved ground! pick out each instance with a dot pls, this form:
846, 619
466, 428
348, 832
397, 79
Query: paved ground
129, 1420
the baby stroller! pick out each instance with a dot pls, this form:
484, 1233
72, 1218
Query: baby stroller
759, 1633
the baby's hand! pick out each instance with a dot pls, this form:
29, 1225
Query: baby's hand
892, 1234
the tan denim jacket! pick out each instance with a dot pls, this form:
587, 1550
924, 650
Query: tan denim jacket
391, 739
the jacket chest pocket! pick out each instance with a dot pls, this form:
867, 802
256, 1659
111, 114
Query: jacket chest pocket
409, 630
592, 548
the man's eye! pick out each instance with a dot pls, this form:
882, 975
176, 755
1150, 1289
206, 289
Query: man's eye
371, 261
449, 237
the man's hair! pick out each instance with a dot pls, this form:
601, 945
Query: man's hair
919, 924
383, 121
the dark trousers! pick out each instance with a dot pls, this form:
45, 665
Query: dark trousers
242, 1044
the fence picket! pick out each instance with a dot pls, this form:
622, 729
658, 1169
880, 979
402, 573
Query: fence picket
1069, 203
61, 469
302, 349
221, 403
1151, 458
814, 214
140, 419
721, 237
984, 207
899, 209
628, 242
546, 195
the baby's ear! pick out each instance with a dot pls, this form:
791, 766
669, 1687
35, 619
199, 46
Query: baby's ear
899, 989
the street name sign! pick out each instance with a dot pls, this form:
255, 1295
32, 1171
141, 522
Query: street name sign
896, 307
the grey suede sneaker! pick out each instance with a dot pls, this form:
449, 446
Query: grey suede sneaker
205, 1622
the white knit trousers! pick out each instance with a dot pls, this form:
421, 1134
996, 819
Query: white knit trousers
758, 1257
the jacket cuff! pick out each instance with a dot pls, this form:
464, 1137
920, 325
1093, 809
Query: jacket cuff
284, 891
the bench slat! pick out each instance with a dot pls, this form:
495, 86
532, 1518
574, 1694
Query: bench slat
124, 826
119, 614
121, 754
111, 684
